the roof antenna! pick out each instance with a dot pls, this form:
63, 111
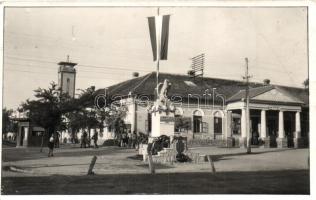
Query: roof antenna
67, 58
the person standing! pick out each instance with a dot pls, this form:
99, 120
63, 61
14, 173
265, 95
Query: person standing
51, 146
124, 139
129, 139
85, 139
95, 139
81, 141
57, 135
134, 138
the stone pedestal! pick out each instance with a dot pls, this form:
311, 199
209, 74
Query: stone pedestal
243, 142
298, 142
282, 143
162, 124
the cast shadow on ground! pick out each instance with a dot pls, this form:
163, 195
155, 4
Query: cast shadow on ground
218, 157
34, 153
262, 182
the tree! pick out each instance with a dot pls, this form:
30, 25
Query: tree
54, 110
87, 115
48, 109
306, 83
8, 125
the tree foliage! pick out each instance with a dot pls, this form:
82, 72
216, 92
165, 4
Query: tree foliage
8, 125
306, 83
56, 111
48, 108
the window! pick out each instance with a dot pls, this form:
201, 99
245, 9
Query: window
197, 121
217, 123
177, 123
197, 124
236, 126
204, 127
68, 86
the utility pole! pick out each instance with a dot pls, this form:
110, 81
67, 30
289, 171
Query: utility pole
247, 108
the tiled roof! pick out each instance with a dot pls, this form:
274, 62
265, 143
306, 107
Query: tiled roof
183, 85
253, 92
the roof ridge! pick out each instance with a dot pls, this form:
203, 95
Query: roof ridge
252, 89
227, 79
147, 76
119, 85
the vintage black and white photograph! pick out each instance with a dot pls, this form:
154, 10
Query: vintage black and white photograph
101, 100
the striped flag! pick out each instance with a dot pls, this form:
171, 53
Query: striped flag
159, 35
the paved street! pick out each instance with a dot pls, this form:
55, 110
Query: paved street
119, 170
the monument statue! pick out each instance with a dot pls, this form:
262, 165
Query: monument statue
163, 103
163, 91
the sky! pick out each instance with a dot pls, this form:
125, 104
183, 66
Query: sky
110, 43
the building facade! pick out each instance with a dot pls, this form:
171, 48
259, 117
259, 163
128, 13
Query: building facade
214, 110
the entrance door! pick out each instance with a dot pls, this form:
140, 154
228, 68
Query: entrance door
22, 136
254, 130
197, 124
289, 128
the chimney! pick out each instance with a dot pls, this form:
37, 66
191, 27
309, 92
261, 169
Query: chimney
266, 82
191, 73
135, 74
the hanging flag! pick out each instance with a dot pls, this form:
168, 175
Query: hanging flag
159, 35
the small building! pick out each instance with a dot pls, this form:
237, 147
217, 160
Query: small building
29, 134
213, 109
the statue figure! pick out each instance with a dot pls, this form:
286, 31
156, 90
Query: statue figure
163, 92
162, 102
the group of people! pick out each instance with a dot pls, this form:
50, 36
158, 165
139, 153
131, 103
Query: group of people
53, 141
128, 140
85, 140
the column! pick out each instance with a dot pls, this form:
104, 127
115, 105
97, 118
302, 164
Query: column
207, 119
243, 138
263, 129
298, 124
228, 124
133, 115
243, 123
298, 142
263, 126
25, 139
281, 125
282, 142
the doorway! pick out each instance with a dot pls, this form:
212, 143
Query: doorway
197, 123
22, 132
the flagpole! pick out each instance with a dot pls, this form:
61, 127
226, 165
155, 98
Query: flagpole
158, 58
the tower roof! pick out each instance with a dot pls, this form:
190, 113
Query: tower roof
67, 63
